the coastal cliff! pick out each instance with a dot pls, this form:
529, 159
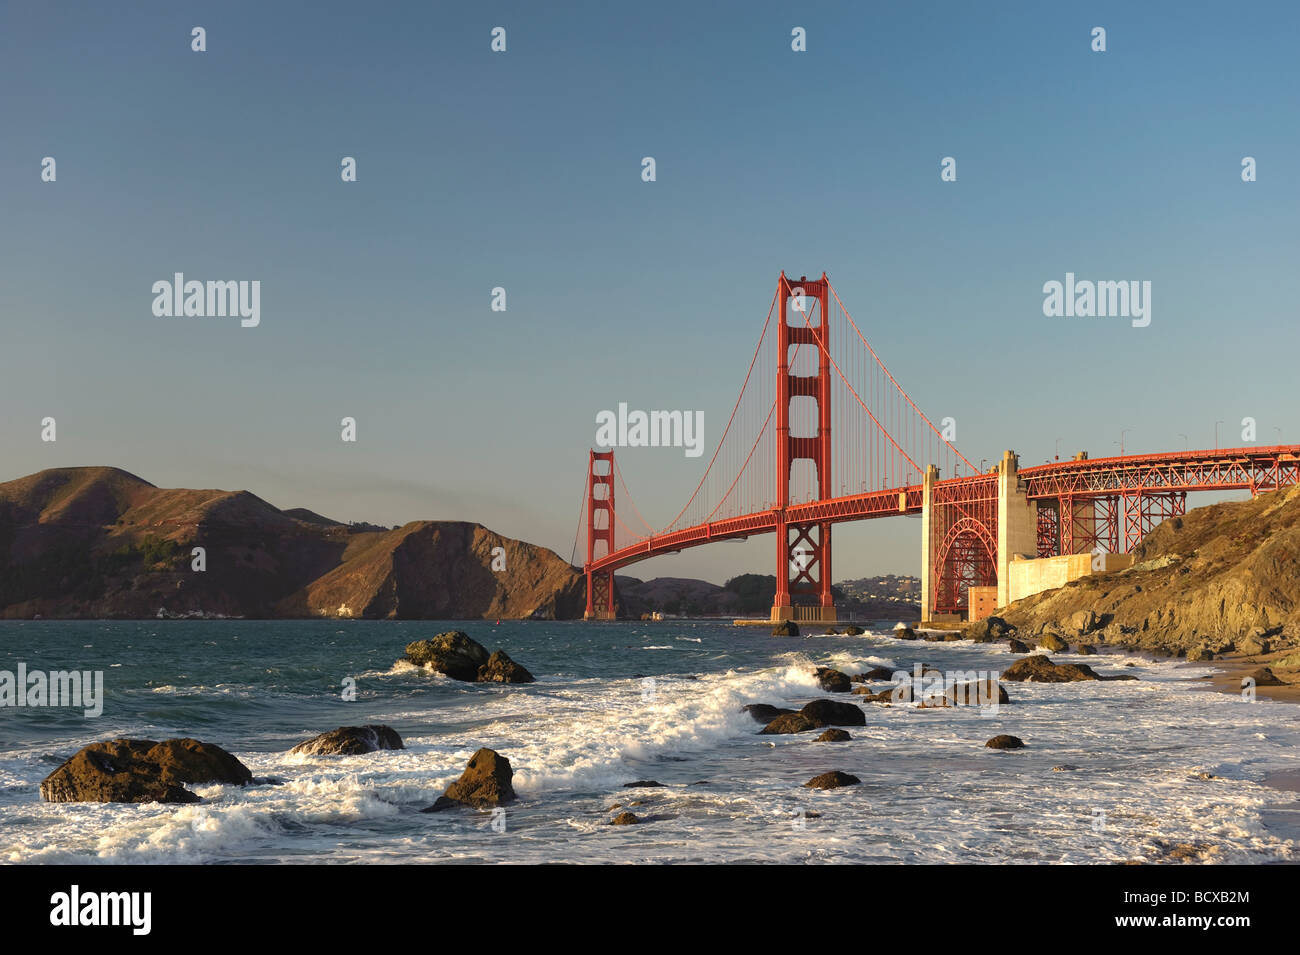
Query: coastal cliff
1219, 579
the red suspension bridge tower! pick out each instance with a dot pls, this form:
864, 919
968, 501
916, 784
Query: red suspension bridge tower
803, 561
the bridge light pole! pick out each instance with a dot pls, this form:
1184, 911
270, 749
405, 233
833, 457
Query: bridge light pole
1186, 445
1216, 434
1058, 449
1121, 440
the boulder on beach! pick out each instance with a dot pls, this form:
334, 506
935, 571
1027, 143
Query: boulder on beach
834, 736
1199, 654
501, 669
987, 630
833, 681
1015, 646
788, 723
142, 770
904, 633
852, 631
485, 783
350, 741
786, 628
1085, 649
834, 713
832, 780
765, 712
1039, 669
1265, 677
1003, 741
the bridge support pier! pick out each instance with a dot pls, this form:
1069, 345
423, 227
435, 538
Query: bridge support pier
1017, 523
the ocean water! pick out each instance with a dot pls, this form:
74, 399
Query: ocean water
1157, 763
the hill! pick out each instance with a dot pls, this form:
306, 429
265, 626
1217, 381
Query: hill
101, 542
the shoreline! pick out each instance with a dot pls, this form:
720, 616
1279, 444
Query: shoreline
1231, 668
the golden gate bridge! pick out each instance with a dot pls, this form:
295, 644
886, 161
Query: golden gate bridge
822, 433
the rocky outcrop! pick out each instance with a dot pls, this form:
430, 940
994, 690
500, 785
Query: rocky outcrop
350, 741
1004, 741
1015, 646
786, 628
142, 770
832, 780
625, 819
457, 655
1224, 576
485, 783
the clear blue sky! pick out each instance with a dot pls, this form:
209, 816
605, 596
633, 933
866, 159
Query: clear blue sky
522, 170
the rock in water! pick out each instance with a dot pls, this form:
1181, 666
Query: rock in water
904, 633
452, 653
832, 780
1052, 643
834, 713
765, 712
1085, 649
786, 628
501, 669
1005, 742
789, 723
350, 741
875, 673
142, 770
833, 681
852, 631
1039, 669
1015, 646
625, 819
834, 736
484, 783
